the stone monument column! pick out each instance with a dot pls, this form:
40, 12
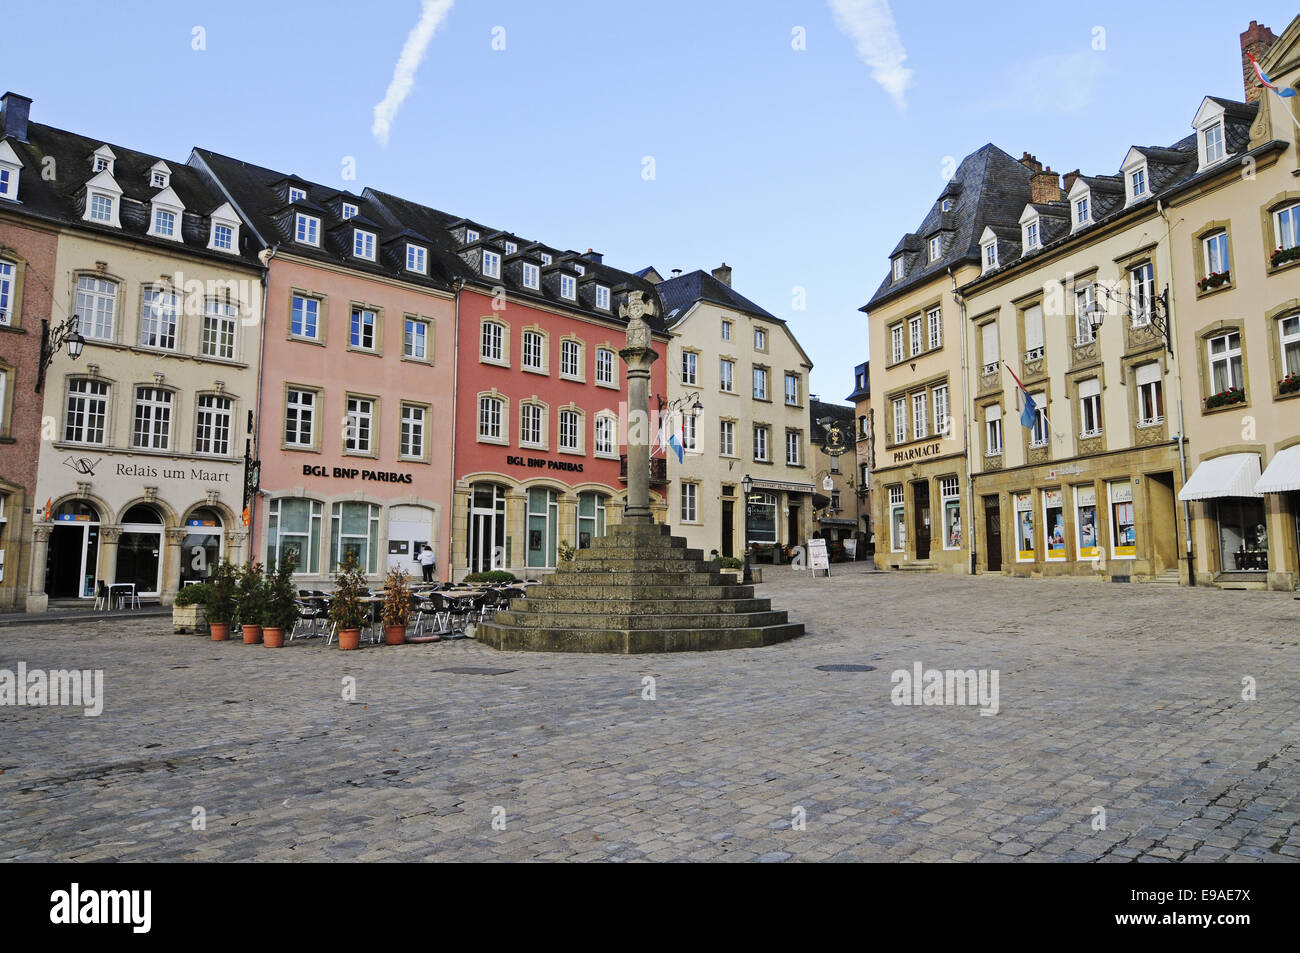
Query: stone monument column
637, 356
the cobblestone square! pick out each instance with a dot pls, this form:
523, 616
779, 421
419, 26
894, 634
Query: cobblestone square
1125, 698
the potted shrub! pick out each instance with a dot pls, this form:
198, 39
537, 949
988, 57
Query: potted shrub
1233, 395
187, 609
496, 577
281, 605
347, 611
220, 607
1214, 280
251, 599
397, 606
731, 566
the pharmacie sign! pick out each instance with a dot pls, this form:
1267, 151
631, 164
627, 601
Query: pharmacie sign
917, 453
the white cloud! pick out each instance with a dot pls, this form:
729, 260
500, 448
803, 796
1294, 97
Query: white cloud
870, 25
1051, 83
431, 17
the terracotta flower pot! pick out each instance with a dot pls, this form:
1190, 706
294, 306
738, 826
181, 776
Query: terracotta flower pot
349, 639
220, 631
272, 637
394, 634
252, 634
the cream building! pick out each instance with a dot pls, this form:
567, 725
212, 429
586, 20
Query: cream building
749, 377
141, 472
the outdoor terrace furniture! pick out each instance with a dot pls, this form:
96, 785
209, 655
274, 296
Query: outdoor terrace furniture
129, 594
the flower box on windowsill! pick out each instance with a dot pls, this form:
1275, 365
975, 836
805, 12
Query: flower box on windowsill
1233, 395
1284, 256
1214, 280
1289, 384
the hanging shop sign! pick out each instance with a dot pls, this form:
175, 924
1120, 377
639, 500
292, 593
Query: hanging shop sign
836, 442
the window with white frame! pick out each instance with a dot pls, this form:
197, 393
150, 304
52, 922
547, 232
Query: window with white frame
570, 430
914, 335
1288, 330
1031, 235
941, 418
792, 390
726, 330
546, 258
602, 297
568, 287
220, 319
1083, 209
307, 229
87, 411
760, 443
532, 276
1089, 407
1083, 330
727, 375
354, 532
604, 366
605, 435
362, 334
1212, 142
212, 425
471, 236
532, 432
415, 339
491, 264
511, 247
158, 316
690, 362
570, 359
690, 499
946, 205
760, 383
101, 208
1150, 394
417, 259
1216, 253
490, 416
296, 194
1033, 332
897, 520
899, 405
1142, 280
896, 343
411, 439
990, 254
935, 249
950, 498
349, 211
299, 417
360, 420
1225, 362
934, 322
304, 319
989, 348
920, 416
8, 182
793, 448
6, 293
363, 244
898, 268
760, 339
164, 223
152, 421
690, 433
1039, 435
492, 342
1286, 227
533, 353
223, 237
993, 430
727, 438
1137, 184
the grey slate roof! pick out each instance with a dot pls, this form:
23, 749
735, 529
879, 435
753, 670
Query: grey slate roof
680, 293
861, 393
819, 409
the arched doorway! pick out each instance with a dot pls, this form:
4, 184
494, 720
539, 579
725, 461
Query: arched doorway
73, 551
486, 539
139, 551
204, 545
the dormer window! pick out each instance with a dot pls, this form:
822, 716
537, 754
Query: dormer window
307, 229
568, 287
1031, 235
102, 160
602, 297
225, 230
1214, 150
363, 244
471, 236
164, 223
10, 167
511, 248
223, 237
990, 254
947, 205
101, 208
581, 269
416, 259
1031, 229
546, 258
159, 181
1211, 144
349, 211
1137, 182
160, 175
935, 249
491, 264
297, 194
532, 276
898, 268
101, 164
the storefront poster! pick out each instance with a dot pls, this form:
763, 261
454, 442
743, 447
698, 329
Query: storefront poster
1054, 521
1124, 534
1085, 501
1024, 528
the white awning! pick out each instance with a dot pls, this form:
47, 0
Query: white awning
1234, 474
1282, 475
783, 485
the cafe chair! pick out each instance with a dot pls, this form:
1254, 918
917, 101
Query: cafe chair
102, 600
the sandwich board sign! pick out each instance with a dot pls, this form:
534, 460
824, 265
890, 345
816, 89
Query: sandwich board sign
818, 557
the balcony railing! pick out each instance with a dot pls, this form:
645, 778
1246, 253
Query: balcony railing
658, 469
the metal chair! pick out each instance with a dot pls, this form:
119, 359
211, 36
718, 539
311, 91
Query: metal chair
310, 612
436, 607
102, 599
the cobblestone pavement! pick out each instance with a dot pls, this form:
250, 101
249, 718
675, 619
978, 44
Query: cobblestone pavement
1122, 697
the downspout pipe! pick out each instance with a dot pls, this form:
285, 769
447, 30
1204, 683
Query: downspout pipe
966, 413
265, 257
458, 287
1178, 378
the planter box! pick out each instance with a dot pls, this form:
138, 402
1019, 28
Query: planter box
189, 620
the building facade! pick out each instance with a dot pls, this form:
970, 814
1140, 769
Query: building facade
864, 454
141, 482
833, 454
1236, 289
748, 375
355, 422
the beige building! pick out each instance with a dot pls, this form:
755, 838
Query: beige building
1235, 232
864, 452
749, 376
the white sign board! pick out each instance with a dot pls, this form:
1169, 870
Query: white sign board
850, 547
818, 557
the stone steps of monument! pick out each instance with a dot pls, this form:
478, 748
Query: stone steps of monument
636, 622
620, 606
571, 591
634, 642
634, 577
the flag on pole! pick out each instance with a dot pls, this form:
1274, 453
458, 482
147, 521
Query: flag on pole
49, 509
1263, 78
1029, 413
675, 438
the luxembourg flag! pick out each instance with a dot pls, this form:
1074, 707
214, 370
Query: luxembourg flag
1263, 78
1029, 413
675, 438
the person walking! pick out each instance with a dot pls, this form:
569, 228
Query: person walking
428, 562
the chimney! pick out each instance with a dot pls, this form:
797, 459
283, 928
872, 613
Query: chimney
1255, 41
1031, 163
723, 274
1045, 186
677, 272
1070, 178
14, 110
595, 257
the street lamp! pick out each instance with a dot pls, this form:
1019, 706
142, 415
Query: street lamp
53, 340
1156, 311
747, 487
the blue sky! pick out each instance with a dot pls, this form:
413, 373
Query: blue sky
796, 167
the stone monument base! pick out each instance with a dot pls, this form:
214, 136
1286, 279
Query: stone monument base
636, 590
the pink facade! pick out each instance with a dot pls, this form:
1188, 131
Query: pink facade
355, 429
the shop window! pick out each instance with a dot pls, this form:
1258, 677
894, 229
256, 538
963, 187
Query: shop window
354, 531
543, 521
1025, 552
1123, 530
486, 538
294, 533
897, 520
591, 518
1085, 521
951, 498
1054, 524
1243, 537
760, 517
203, 546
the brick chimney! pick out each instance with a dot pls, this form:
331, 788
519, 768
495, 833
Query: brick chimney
14, 110
1031, 163
1070, 178
594, 257
723, 274
1045, 186
1255, 41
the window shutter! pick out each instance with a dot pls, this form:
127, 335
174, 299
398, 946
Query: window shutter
1034, 327
1090, 388
1148, 373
